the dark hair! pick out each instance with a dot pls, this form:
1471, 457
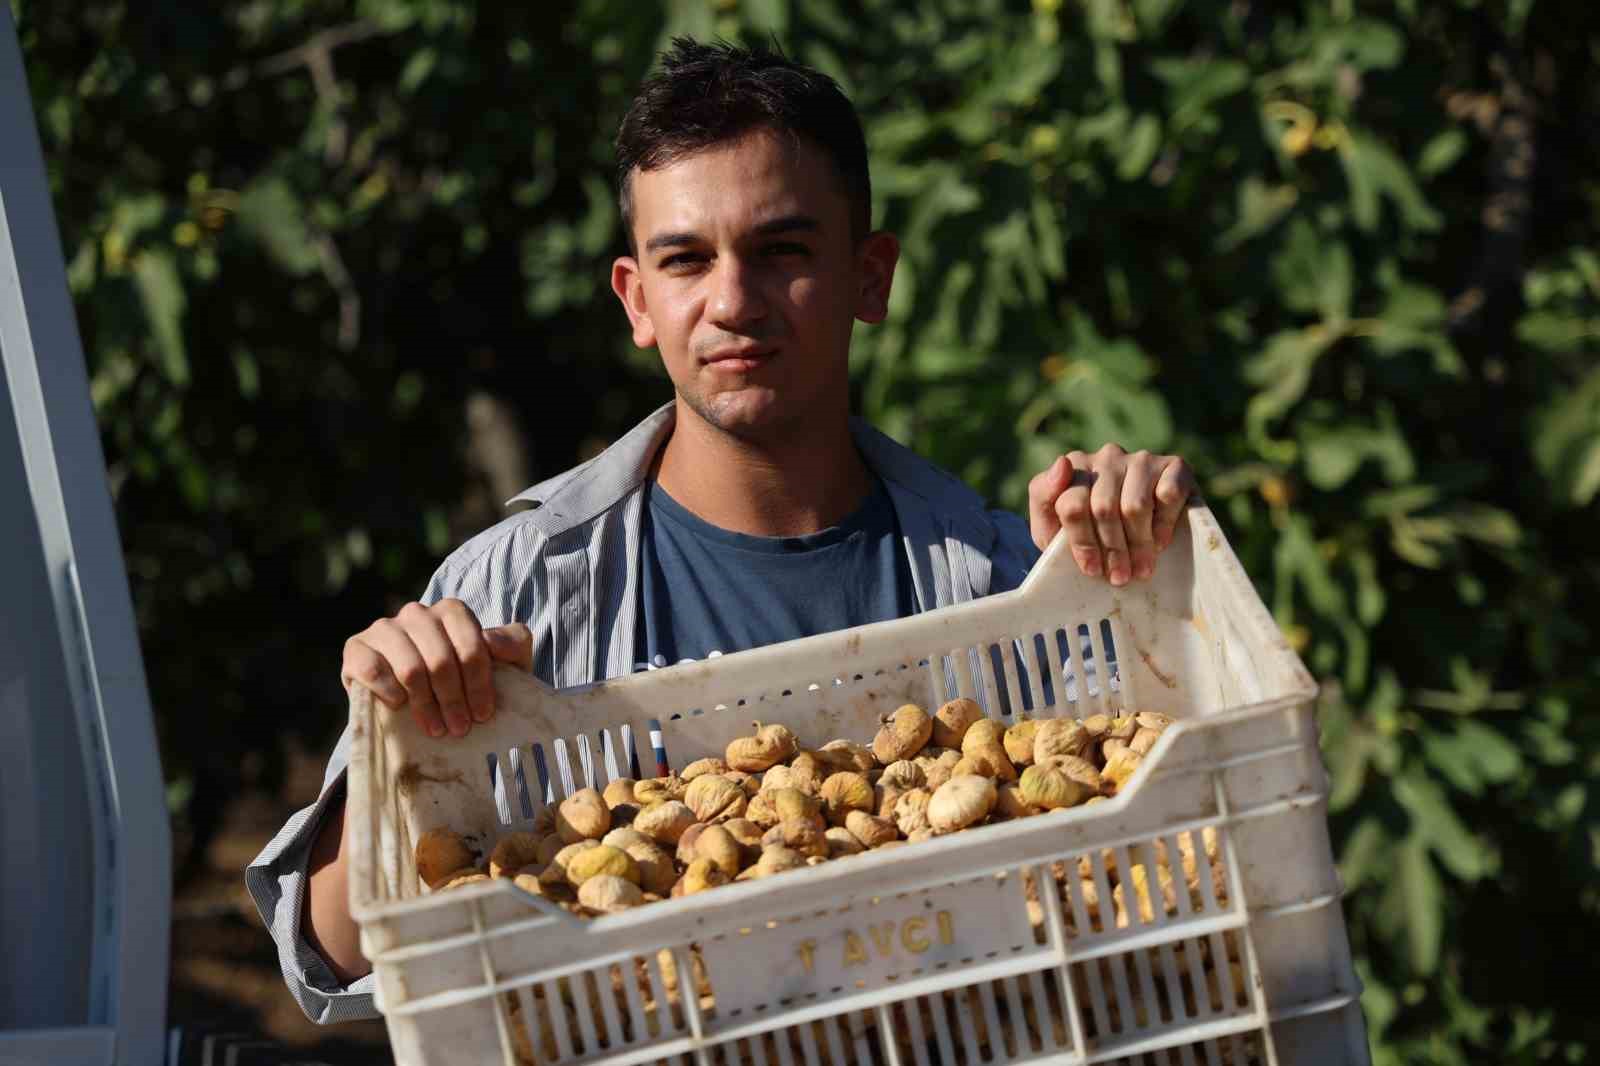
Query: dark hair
709, 94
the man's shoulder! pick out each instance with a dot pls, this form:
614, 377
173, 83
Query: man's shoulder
511, 544
909, 470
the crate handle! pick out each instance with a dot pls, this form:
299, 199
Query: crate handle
1056, 560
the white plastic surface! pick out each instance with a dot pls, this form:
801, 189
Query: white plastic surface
84, 936
922, 954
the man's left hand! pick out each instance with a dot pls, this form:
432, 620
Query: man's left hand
1119, 510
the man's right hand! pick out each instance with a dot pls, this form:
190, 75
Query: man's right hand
436, 660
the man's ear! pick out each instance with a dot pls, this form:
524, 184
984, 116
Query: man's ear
878, 254
627, 283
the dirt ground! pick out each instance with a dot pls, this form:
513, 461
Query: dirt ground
224, 965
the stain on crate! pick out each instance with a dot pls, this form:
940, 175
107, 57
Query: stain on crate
411, 776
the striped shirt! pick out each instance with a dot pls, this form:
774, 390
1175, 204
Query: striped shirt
570, 569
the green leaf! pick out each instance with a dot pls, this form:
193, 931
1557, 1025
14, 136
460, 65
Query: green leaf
1373, 170
1050, 246
1284, 366
1260, 207
1371, 598
1490, 525
1441, 153
270, 212
1194, 85
1313, 273
1333, 454
161, 292
1472, 756
1400, 501
417, 69
1556, 331
1348, 766
1140, 149
1422, 900
1373, 45
1365, 855
1566, 441
1152, 14
1434, 821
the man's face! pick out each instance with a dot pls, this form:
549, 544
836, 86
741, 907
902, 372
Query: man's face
748, 280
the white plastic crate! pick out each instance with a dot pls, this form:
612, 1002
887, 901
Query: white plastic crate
921, 954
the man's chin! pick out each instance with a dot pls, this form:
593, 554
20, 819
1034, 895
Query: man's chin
752, 413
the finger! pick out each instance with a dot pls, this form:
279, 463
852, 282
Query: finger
362, 663
390, 640
1173, 489
1138, 511
1105, 507
1043, 491
472, 656
427, 632
511, 644
1072, 511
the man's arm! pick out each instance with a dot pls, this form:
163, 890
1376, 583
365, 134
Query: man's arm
325, 919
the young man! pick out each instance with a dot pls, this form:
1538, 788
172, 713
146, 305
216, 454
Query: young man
751, 509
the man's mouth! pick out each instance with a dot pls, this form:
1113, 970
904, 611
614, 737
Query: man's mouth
734, 360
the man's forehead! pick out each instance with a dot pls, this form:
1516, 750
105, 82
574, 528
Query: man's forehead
751, 183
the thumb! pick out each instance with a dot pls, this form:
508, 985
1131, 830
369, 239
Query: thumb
511, 644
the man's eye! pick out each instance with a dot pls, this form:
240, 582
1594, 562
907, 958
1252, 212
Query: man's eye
682, 259
787, 248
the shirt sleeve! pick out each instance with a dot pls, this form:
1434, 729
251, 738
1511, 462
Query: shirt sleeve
277, 880
483, 574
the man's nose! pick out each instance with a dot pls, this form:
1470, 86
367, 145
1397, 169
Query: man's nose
737, 299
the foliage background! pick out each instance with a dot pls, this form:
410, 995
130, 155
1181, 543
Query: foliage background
340, 273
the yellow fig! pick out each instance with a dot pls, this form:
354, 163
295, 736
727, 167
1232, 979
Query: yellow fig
1119, 769
903, 775
441, 852
701, 875
911, 812
960, 802
904, 733
839, 756
982, 733
952, 720
1009, 801
583, 816
1059, 736
1018, 742
771, 745
602, 859
657, 873
512, 852
618, 792
608, 894
1049, 787
712, 765
714, 798
986, 760
665, 822
844, 792
718, 845
657, 789
842, 842
869, 828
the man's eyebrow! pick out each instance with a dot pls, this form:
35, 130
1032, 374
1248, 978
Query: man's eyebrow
670, 240
782, 224
788, 224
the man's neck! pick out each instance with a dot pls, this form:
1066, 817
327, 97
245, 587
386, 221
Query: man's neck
782, 488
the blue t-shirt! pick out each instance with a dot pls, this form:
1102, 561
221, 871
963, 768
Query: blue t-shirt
706, 591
